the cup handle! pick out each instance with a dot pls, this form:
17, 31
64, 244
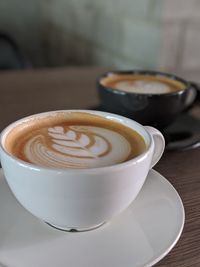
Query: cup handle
159, 144
196, 87
193, 95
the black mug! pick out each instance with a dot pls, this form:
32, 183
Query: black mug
156, 109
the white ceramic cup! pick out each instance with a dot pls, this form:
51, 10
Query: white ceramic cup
80, 199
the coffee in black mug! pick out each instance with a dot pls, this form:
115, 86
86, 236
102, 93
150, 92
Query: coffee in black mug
149, 97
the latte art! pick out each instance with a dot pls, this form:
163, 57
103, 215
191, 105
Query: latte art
77, 146
142, 84
76, 140
143, 87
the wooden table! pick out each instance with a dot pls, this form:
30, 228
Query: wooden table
29, 92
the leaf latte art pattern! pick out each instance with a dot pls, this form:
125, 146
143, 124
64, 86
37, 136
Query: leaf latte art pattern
78, 144
77, 147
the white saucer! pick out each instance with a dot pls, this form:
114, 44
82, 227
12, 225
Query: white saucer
139, 237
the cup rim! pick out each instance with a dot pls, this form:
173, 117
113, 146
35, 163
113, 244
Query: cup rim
144, 72
107, 115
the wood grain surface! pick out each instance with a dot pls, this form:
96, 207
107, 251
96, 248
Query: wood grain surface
29, 92
182, 169
24, 93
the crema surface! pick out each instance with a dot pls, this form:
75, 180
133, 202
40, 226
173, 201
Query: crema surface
142, 84
144, 87
84, 141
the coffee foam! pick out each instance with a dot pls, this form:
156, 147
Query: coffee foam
142, 84
77, 147
143, 87
73, 141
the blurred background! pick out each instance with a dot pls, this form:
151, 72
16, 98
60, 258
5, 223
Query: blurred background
148, 34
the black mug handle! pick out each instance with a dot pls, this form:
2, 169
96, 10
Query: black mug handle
193, 95
187, 143
196, 86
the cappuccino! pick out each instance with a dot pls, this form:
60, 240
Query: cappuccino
73, 140
142, 84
